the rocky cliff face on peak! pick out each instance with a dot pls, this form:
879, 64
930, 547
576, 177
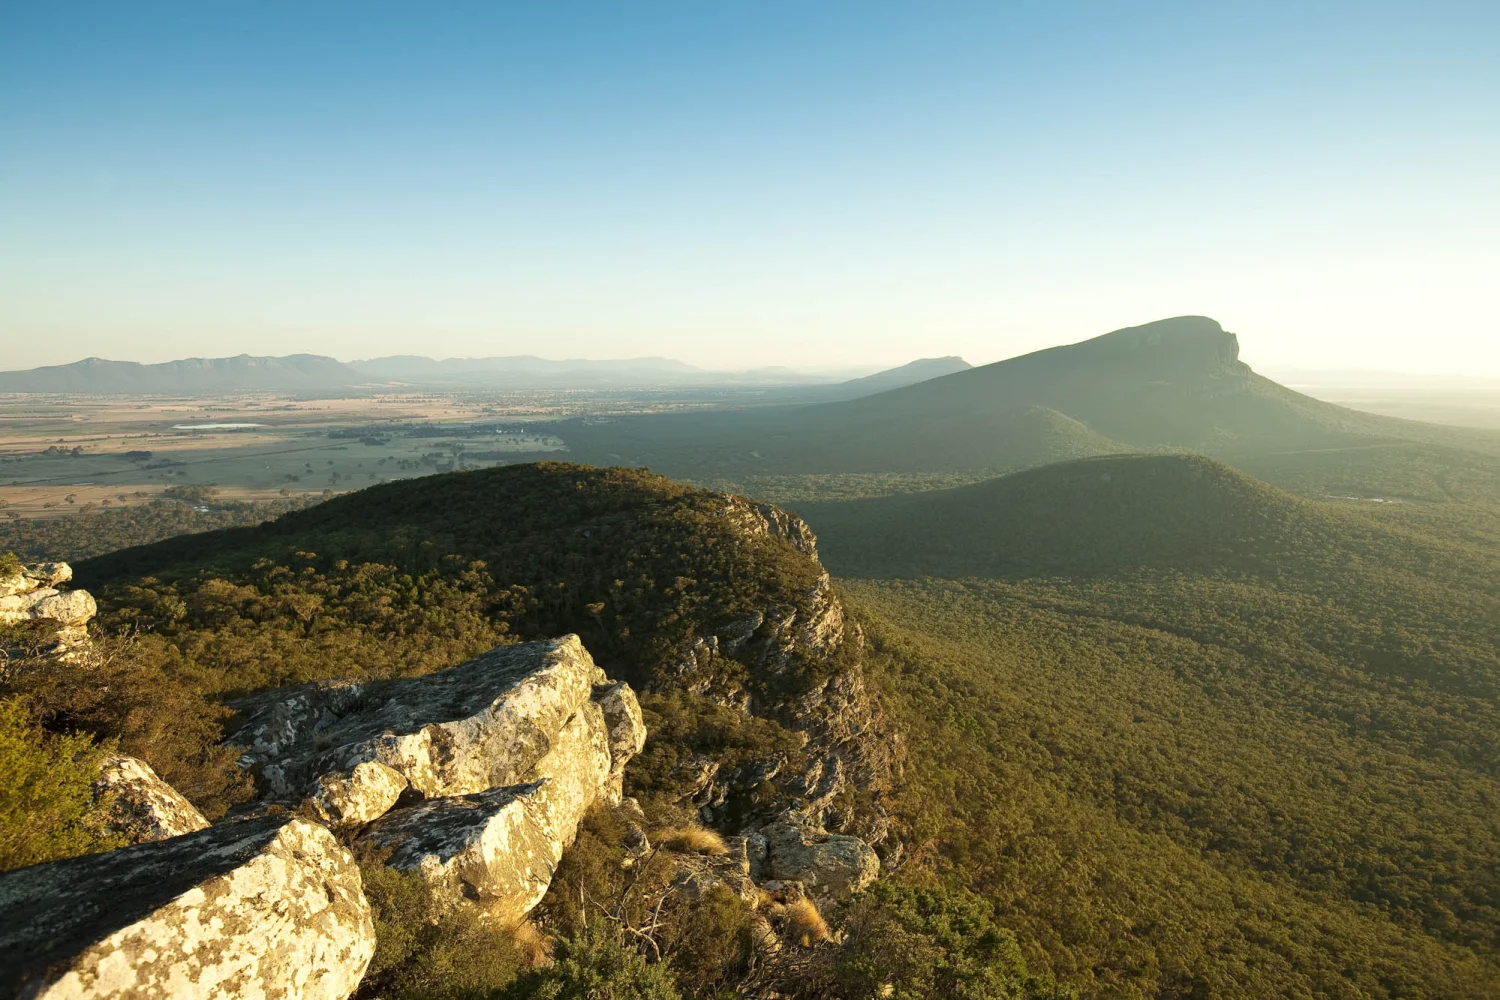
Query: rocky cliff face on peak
675, 590
410, 694
807, 662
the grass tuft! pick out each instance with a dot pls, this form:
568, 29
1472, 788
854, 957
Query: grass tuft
800, 922
690, 839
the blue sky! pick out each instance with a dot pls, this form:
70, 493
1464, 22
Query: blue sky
740, 184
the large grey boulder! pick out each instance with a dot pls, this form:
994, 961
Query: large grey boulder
351, 751
499, 848
270, 908
626, 729
134, 801
830, 866
27, 578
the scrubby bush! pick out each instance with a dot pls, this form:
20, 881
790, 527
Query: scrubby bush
421, 955
141, 694
46, 791
595, 965
800, 922
703, 939
907, 943
690, 838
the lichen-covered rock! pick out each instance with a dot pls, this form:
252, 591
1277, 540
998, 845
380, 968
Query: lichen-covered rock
135, 802
831, 866
27, 578
268, 908
487, 848
75, 607
351, 797
30, 594
499, 848
483, 724
626, 728
698, 874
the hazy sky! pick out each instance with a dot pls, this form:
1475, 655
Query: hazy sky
748, 183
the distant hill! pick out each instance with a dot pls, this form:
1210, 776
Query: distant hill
190, 375
1177, 384
529, 371
1103, 517
894, 378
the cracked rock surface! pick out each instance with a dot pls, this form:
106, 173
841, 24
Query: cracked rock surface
483, 724
271, 908
134, 801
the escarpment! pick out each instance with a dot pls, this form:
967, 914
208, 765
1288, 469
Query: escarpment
799, 663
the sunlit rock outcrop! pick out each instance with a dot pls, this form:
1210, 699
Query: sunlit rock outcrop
476, 777
831, 867
483, 724
135, 802
33, 594
270, 908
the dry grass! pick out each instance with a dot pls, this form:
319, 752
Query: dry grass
690, 839
800, 922
534, 946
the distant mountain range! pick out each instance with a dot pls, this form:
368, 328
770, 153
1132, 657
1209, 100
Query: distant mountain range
894, 378
315, 373
527, 370
96, 375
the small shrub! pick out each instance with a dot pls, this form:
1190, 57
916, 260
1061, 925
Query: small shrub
420, 955
595, 965
46, 791
10, 564
910, 943
706, 942
532, 945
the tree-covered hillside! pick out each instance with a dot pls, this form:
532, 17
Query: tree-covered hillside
1154, 700
1162, 798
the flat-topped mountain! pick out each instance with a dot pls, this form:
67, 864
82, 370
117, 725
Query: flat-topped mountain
189, 375
1173, 384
